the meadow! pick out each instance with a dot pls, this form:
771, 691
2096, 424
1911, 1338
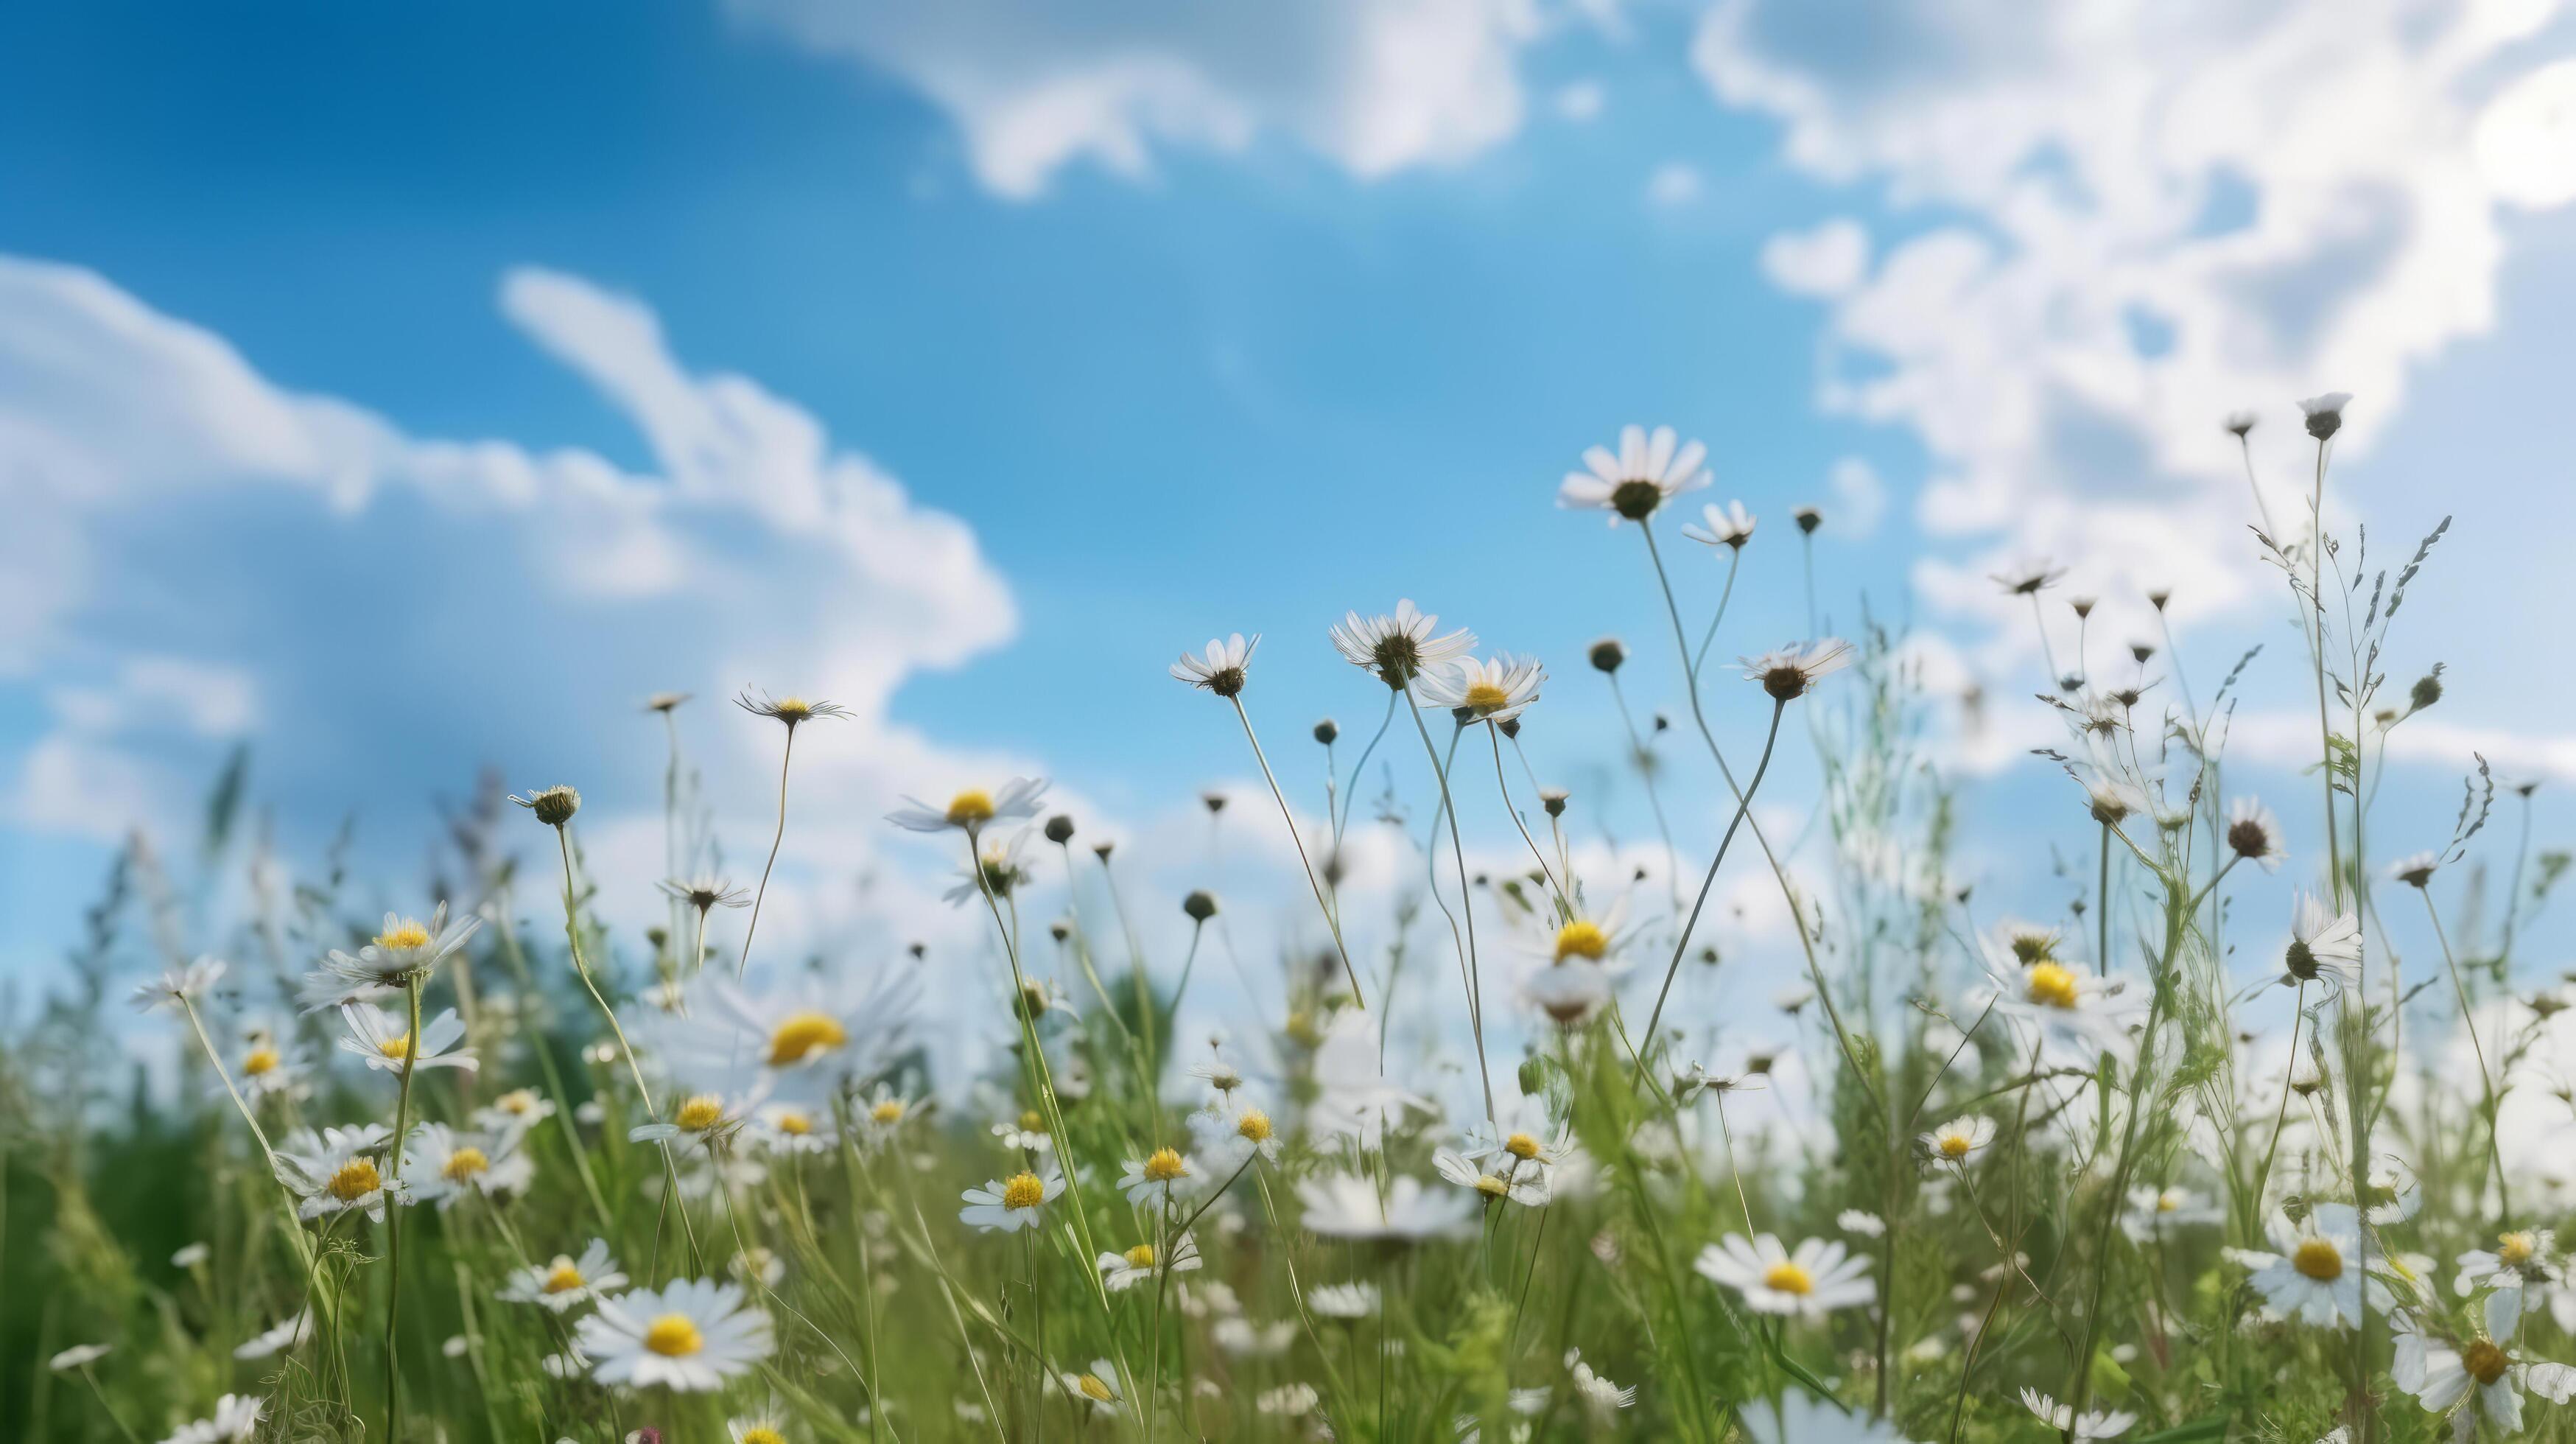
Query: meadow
492, 1168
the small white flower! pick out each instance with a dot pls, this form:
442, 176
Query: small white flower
1495, 690
1960, 1139
79, 1356
235, 1419
190, 1256
1514, 1179
336, 1170
1400, 647
567, 1282
690, 1336
1221, 670
1355, 1300
974, 808
1868, 1225
2152, 1211
385, 1040
1232, 1129
443, 1165
1009, 1205
2093, 1424
1159, 1178
404, 949
1732, 527
1343, 1205
2325, 947
1790, 672
1599, 1396
1820, 1277
177, 987
516, 1111
1120, 1272
2314, 1274
293, 1331
1647, 471
2254, 834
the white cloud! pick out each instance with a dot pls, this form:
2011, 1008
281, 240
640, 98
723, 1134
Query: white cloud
2170, 213
1674, 183
1826, 261
1376, 86
1860, 498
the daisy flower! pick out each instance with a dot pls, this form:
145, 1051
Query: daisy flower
1511, 1182
882, 1116
2314, 1273
1231, 1130
1027, 1132
802, 1038
2029, 578
2523, 1260
1495, 690
788, 1128
1221, 669
235, 1419
385, 1040
1732, 527
1788, 673
567, 1283
790, 709
1009, 1205
1120, 1272
707, 1118
404, 949
336, 1170
268, 1069
1599, 1397
2092, 1424
173, 989
1343, 1205
1096, 1387
2153, 1210
2416, 870
1820, 1277
998, 870
1400, 647
2440, 1376
443, 1165
2254, 834
690, 1336
1159, 1178
765, 1427
1960, 1139
516, 1111
1648, 471
2325, 947
2077, 1014
969, 811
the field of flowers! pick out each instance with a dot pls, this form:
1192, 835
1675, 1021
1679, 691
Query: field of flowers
491, 1169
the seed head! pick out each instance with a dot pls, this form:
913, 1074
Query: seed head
1607, 654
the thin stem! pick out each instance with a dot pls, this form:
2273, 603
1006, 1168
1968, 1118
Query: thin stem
2469, 1023
1467, 963
1734, 560
784, 757
1330, 920
1567, 903
393, 1217
1681, 944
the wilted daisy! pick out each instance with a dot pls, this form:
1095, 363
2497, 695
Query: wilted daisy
443, 1165
2151, 1211
1820, 1277
790, 709
1158, 1178
971, 810
385, 1040
1731, 527
403, 950
1221, 669
2325, 413
2314, 1273
178, 986
235, 1419
2254, 833
1011, 1204
1096, 1388
1788, 673
1400, 647
705, 891
2440, 1376
1504, 1181
1495, 690
690, 1336
1122, 1271
2325, 947
1958, 1140
1344, 1205
1648, 471
2092, 1424
567, 1282
2029, 578
335, 1170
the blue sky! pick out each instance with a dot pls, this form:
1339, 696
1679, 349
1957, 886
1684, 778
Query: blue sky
1192, 325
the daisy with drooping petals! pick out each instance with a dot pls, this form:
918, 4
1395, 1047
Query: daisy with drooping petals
2092, 1424
2325, 947
1571, 994
1732, 527
386, 1043
705, 892
1120, 1272
2325, 413
690, 1336
1223, 667
1009, 1205
1400, 647
1495, 690
2254, 834
1820, 1277
443, 1165
1958, 1140
566, 1283
1790, 672
971, 810
336, 1170
1649, 470
791, 709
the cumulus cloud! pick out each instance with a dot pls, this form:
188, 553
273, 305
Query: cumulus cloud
2163, 214
1374, 86
1674, 183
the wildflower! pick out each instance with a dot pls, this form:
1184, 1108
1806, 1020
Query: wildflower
997, 871
2524, 1260
177, 987
2325, 413
190, 1255
442, 1165
2079, 1012
1120, 1272
2029, 579
1245, 1339
1868, 1225
1221, 670
1732, 527
1648, 471
882, 1115
2254, 834
666, 702
1496, 690
1233, 1130
1955, 1142
790, 709
268, 1342
2092, 1424
1295, 1399
2314, 1273
1808, 519
969, 811
2416, 871
1095, 1388
1600, 1398
706, 891
1353, 1097
402, 952
1512, 1182
1343, 1205
1608, 655
79, 1356
765, 1427
2153, 1210
567, 1282
1009, 1205
2238, 423
235, 1419
1355, 1300
1820, 1277
554, 806
1027, 1132
336, 1170
1790, 672
758, 1265
516, 1111
1159, 1178
1401, 647
268, 1070
2440, 1376
689, 1336
805, 1037
385, 1041
2324, 947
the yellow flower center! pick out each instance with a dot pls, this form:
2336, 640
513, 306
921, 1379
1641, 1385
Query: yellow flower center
1492, 1187
970, 808
1165, 1165
261, 1062
1785, 1277
354, 1180
1254, 1126
1486, 697
802, 1036
2513, 1250
396, 1047
2051, 985
465, 1163
794, 1124
2319, 1260
792, 709
1521, 1146
1094, 1390
673, 1337
1033, 1121
889, 1111
700, 1113
1141, 1256
564, 1278
2168, 1201
762, 1434
1956, 1145
1025, 1190
1580, 939
517, 1102
403, 936
2485, 1360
